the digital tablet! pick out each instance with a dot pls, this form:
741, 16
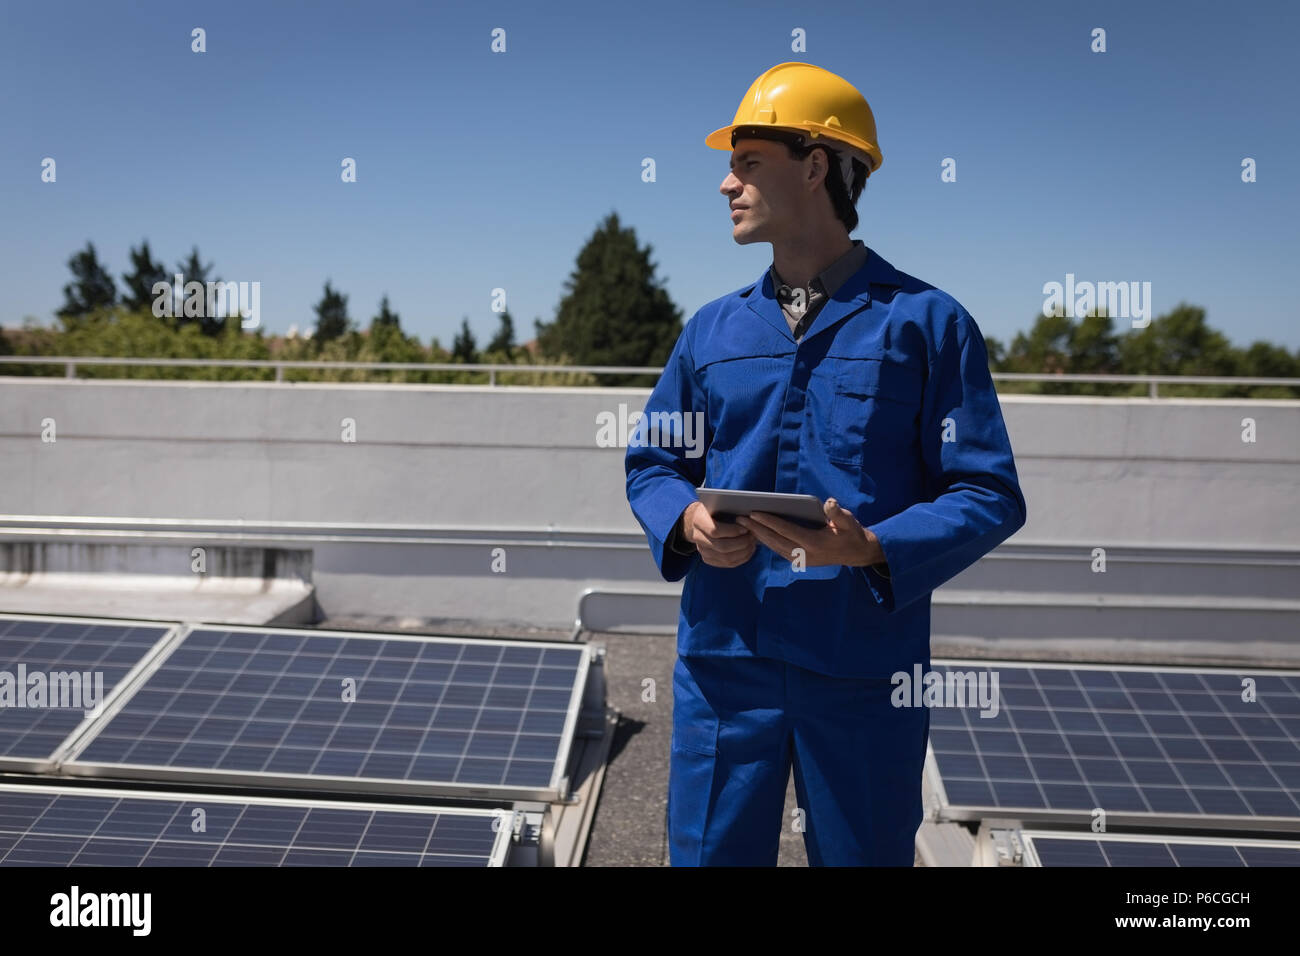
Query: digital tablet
725, 505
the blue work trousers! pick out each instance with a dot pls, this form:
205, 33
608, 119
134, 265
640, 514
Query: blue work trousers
738, 725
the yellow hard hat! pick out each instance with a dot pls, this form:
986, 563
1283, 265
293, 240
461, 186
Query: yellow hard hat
806, 99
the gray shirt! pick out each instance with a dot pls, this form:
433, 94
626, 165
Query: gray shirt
823, 286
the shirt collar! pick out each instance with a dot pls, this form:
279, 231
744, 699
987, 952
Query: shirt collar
828, 281
855, 294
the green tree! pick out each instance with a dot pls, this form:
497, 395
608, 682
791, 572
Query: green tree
192, 269
332, 320
386, 342
997, 352
503, 343
1047, 346
1094, 347
1094, 350
386, 317
1058, 344
91, 287
140, 280
1044, 349
464, 348
1180, 343
614, 311
1265, 360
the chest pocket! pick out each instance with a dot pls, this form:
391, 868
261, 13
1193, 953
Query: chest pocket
875, 409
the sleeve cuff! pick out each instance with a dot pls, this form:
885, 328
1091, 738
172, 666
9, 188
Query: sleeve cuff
879, 577
678, 543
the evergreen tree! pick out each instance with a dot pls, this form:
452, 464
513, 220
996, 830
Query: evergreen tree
464, 348
192, 269
332, 320
386, 319
614, 311
1094, 347
997, 352
504, 340
91, 287
1045, 348
139, 282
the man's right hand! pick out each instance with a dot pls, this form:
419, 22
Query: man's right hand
722, 544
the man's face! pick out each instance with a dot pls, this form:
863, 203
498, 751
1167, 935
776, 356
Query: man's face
766, 187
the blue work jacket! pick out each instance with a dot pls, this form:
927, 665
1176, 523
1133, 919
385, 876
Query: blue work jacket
887, 405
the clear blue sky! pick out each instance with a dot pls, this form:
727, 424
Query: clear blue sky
478, 170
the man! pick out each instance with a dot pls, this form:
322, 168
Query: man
834, 375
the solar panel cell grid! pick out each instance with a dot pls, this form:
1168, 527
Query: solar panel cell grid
463, 713
1148, 742
1054, 851
43, 829
45, 646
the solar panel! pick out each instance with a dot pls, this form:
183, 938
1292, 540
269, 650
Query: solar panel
348, 710
51, 668
1062, 849
1202, 747
48, 826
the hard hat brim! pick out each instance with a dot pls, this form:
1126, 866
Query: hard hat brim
721, 139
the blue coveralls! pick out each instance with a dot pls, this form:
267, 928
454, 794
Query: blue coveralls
887, 405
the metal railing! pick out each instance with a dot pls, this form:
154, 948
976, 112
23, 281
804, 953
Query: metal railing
1151, 381
71, 363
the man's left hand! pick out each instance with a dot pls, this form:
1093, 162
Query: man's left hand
841, 541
